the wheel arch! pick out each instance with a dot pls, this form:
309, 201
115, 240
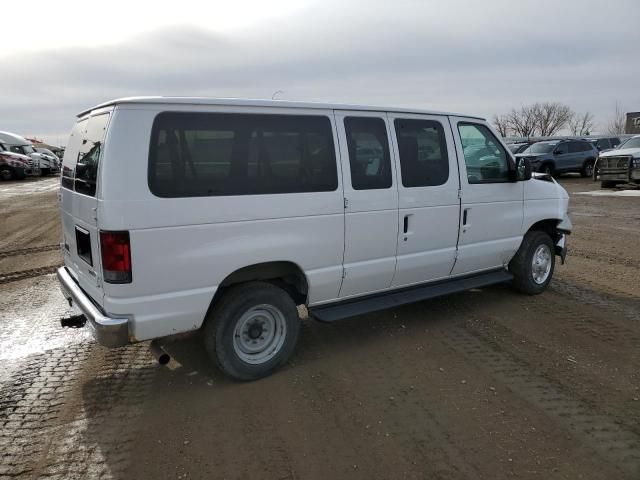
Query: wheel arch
285, 274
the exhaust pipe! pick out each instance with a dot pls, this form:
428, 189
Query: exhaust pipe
161, 356
75, 321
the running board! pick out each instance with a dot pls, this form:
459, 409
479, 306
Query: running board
373, 303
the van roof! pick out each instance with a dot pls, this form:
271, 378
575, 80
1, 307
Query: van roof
263, 103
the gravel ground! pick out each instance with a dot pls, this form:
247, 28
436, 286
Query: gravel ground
481, 384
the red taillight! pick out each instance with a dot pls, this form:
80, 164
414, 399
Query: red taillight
116, 257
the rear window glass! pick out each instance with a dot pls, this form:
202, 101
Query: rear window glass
210, 154
82, 157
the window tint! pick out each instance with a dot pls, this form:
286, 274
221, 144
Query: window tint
486, 160
602, 143
575, 147
86, 172
369, 157
209, 154
561, 148
423, 152
614, 142
71, 154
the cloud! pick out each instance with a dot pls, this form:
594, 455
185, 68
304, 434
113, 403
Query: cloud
473, 57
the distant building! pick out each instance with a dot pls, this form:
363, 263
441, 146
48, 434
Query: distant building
633, 123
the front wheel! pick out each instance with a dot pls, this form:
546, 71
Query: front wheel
6, 173
252, 330
587, 169
533, 264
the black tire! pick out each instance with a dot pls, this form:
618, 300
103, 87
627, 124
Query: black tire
521, 265
220, 336
587, 169
547, 168
44, 172
6, 173
608, 184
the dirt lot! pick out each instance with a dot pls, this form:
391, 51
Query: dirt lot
483, 384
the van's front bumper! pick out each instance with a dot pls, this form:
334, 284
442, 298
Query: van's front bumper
108, 331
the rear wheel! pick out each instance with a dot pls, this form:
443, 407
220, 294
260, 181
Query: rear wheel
6, 173
587, 168
533, 264
252, 330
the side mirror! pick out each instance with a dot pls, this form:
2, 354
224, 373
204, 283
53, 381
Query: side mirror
557, 151
523, 169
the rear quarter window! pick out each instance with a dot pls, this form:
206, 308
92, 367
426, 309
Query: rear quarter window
213, 154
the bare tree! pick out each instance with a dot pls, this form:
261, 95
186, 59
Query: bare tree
581, 124
522, 122
617, 123
551, 117
501, 122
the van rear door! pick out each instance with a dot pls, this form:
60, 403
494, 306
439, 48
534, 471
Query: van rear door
79, 202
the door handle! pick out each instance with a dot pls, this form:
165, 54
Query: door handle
406, 223
464, 216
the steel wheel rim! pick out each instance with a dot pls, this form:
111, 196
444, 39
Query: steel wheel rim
541, 264
259, 334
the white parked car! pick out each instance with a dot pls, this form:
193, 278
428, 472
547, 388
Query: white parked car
182, 214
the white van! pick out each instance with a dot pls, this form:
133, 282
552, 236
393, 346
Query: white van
182, 214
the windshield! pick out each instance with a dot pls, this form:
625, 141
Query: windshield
27, 149
540, 148
631, 143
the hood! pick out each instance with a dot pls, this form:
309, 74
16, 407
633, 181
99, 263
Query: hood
14, 157
634, 152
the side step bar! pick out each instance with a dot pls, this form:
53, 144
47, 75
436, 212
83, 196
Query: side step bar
360, 306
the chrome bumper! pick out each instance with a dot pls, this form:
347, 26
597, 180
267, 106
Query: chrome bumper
110, 332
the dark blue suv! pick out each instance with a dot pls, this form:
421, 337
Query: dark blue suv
562, 156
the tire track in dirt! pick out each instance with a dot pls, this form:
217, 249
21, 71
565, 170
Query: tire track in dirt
617, 445
26, 251
33, 272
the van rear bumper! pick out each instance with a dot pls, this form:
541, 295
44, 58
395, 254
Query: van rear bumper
108, 331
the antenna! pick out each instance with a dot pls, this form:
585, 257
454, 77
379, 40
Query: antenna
273, 97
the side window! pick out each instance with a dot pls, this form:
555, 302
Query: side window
561, 148
210, 154
614, 142
575, 147
86, 172
423, 152
602, 143
484, 156
369, 156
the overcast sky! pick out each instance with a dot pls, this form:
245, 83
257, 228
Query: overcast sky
472, 56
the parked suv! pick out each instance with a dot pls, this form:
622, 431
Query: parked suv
604, 144
621, 165
184, 214
562, 156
